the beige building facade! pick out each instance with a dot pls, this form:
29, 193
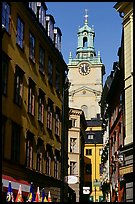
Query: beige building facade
86, 74
76, 138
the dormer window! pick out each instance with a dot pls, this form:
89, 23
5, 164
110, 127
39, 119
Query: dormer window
42, 15
50, 26
33, 6
57, 38
90, 136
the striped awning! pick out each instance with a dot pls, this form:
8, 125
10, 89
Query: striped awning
15, 183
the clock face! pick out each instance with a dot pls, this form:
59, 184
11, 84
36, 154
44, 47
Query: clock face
84, 68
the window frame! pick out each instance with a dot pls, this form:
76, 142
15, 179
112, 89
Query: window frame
89, 152
39, 162
73, 121
33, 7
57, 122
31, 97
5, 69
72, 168
41, 106
56, 167
85, 42
74, 140
42, 16
49, 113
18, 86
20, 36
29, 150
48, 163
41, 61
15, 142
6, 16
57, 82
32, 43
50, 71
90, 136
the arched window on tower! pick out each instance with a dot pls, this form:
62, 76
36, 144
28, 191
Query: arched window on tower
85, 42
85, 110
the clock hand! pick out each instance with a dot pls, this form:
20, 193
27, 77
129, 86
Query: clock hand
84, 68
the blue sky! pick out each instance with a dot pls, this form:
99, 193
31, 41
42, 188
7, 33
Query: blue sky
107, 25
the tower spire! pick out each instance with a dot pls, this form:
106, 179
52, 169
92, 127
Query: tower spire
86, 17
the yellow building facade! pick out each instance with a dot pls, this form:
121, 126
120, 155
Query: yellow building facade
33, 71
92, 150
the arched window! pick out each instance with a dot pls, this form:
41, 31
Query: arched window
85, 110
85, 42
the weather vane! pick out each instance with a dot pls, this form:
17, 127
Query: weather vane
86, 16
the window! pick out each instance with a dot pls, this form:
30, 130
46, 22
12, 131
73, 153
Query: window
6, 16
72, 168
88, 169
88, 151
73, 122
18, 86
73, 145
57, 38
20, 32
49, 114
42, 16
33, 6
56, 167
57, 81
90, 137
50, 26
50, 71
5, 64
15, 142
29, 150
31, 97
85, 42
41, 59
39, 166
32, 48
48, 164
41, 106
57, 122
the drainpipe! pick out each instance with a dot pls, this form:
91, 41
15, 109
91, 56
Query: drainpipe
95, 170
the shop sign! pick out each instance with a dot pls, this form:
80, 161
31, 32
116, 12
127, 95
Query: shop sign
126, 170
86, 190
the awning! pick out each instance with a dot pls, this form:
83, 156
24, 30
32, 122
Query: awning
15, 183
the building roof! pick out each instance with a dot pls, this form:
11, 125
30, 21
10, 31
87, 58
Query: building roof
94, 122
97, 137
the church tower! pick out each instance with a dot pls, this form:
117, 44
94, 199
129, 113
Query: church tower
86, 73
